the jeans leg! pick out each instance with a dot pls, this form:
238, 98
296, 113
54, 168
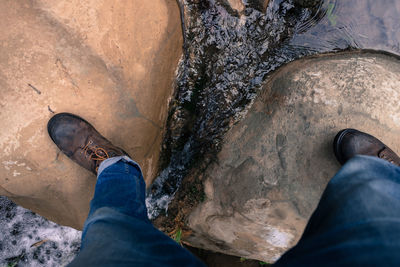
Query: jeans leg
357, 221
118, 232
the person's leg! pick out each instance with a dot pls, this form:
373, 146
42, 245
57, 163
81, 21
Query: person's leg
357, 222
118, 232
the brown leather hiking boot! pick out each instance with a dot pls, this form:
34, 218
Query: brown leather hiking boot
80, 141
350, 142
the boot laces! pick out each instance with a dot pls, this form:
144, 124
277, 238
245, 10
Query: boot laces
96, 153
386, 157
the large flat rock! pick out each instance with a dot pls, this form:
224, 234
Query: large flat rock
112, 62
275, 163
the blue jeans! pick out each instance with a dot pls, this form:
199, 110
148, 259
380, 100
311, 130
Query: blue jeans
117, 231
357, 222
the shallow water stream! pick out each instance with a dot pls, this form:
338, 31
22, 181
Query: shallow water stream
229, 53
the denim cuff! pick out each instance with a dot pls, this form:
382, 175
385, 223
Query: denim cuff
108, 162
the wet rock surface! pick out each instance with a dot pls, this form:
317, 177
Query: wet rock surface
273, 166
230, 49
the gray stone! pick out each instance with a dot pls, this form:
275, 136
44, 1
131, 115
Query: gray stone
275, 163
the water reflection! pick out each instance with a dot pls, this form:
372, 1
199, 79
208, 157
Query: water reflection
341, 24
